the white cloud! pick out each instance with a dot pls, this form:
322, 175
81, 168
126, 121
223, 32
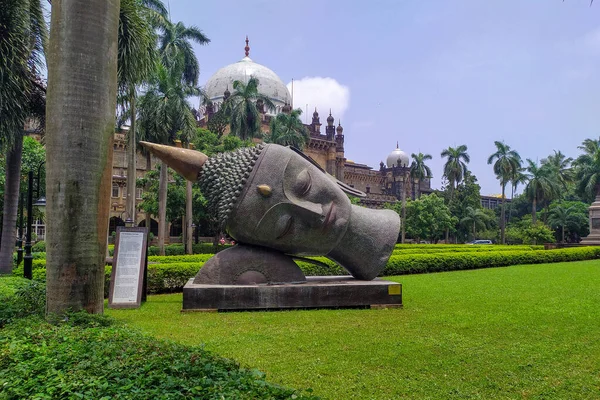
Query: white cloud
322, 93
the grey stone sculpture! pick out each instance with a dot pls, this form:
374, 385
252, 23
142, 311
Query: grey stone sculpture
276, 203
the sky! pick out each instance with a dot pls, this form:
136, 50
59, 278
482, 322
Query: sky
426, 74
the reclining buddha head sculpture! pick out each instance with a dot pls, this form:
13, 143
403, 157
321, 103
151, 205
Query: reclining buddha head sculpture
275, 197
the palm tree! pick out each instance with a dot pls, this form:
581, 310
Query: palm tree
164, 114
475, 218
82, 94
560, 165
175, 47
455, 167
136, 62
588, 169
244, 113
507, 163
23, 37
561, 217
288, 130
419, 171
540, 186
516, 179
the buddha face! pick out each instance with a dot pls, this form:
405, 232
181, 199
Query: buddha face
290, 205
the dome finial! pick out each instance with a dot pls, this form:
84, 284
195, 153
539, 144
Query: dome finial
397, 145
247, 48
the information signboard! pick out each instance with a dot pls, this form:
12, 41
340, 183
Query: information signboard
129, 264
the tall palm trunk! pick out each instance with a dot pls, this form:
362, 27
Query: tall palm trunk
512, 197
188, 217
148, 168
403, 225
82, 93
450, 202
131, 161
474, 230
162, 208
563, 234
534, 210
11, 204
502, 217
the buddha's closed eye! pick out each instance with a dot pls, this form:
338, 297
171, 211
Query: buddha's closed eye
287, 224
303, 183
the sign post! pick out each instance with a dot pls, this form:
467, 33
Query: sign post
127, 280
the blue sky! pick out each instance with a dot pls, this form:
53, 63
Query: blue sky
425, 73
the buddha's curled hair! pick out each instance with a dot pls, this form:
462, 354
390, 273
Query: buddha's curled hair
223, 177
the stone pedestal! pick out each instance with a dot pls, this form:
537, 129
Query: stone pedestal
316, 292
593, 239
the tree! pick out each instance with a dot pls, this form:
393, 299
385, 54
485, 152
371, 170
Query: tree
177, 54
419, 171
165, 115
136, 61
82, 93
540, 186
218, 123
455, 167
288, 130
475, 218
428, 218
517, 178
560, 167
243, 110
23, 37
588, 170
564, 216
508, 162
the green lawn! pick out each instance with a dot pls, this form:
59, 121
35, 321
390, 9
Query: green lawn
516, 332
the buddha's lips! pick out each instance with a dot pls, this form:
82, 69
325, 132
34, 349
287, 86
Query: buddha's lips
329, 218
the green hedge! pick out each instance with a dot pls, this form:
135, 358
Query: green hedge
170, 273
421, 263
177, 249
460, 249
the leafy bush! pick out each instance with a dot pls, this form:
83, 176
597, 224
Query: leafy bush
39, 247
20, 298
84, 358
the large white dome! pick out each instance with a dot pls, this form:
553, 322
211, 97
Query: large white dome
269, 83
397, 154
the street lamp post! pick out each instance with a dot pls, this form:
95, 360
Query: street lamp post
28, 259
20, 240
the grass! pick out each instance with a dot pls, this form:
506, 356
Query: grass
520, 332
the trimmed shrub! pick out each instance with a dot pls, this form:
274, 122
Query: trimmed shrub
39, 247
421, 263
193, 258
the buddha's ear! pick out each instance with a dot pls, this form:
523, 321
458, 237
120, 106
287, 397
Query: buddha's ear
347, 189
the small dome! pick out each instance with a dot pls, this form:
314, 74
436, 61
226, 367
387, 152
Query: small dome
330, 118
396, 155
339, 128
315, 114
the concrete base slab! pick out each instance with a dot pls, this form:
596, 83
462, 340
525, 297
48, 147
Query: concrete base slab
316, 292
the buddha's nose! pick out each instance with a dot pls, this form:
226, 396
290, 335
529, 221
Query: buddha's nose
313, 212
